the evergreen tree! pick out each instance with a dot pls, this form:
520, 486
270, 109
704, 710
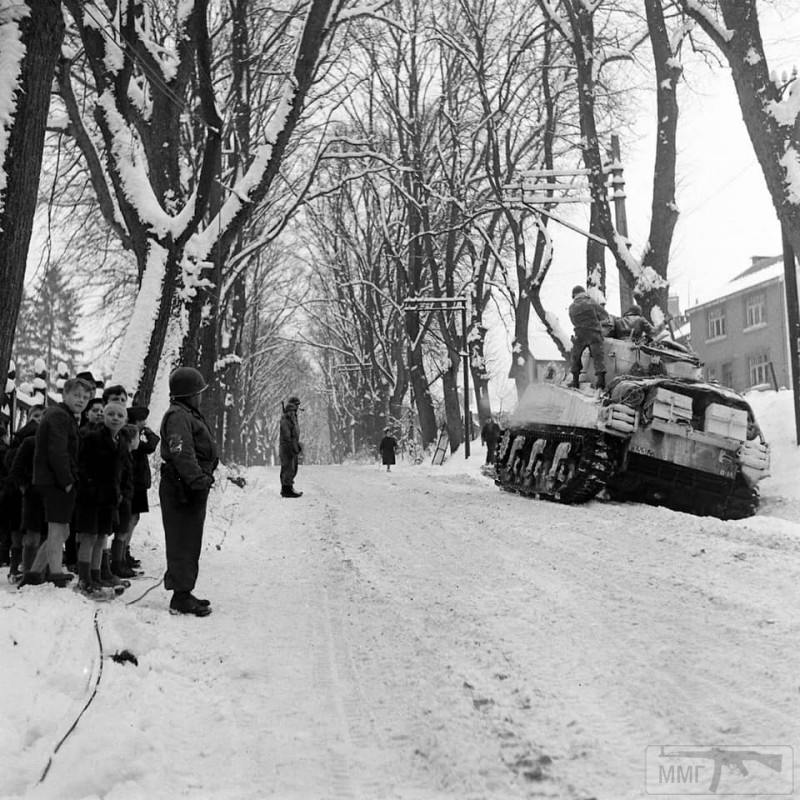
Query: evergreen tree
47, 326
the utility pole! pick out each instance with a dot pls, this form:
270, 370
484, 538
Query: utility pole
793, 320
458, 303
621, 217
542, 189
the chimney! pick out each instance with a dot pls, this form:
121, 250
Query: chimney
756, 259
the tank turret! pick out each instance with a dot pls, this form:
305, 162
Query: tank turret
658, 433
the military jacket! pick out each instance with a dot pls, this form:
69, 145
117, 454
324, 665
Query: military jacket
586, 314
187, 446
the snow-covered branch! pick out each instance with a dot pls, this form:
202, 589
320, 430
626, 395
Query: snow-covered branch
12, 51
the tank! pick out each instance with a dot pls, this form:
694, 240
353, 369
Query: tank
657, 434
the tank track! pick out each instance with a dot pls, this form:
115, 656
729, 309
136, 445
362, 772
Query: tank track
549, 462
647, 480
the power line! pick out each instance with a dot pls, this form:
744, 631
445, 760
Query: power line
717, 191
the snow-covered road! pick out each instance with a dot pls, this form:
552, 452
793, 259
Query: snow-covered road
418, 634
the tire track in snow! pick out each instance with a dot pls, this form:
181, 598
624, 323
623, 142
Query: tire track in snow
639, 614
506, 775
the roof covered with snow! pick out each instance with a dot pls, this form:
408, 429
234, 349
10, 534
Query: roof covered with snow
763, 270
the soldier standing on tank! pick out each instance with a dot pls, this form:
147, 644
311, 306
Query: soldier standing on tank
290, 447
189, 458
588, 318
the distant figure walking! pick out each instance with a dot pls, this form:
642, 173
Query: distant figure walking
588, 318
290, 448
387, 448
490, 433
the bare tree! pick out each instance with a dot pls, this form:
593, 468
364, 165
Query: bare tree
148, 124
591, 53
769, 106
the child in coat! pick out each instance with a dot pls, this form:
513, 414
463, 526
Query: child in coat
146, 442
100, 467
55, 474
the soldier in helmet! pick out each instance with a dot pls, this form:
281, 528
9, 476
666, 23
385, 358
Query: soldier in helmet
189, 458
588, 318
634, 325
290, 447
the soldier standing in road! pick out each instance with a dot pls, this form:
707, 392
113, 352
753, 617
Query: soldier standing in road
189, 458
490, 433
290, 447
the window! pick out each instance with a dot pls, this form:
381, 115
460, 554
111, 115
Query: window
716, 323
711, 372
758, 368
755, 310
727, 375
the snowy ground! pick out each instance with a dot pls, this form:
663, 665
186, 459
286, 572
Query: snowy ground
417, 635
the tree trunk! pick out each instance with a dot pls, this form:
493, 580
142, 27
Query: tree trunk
664, 211
422, 396
452, 406
521, 370
771, 121
42, 30
477, 366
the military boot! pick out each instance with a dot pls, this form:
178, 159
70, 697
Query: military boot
186, 603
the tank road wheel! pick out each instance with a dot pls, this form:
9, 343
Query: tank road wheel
533, 467
551, 465
502, 448
564, 475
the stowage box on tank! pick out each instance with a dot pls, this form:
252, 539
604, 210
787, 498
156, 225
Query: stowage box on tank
657, 434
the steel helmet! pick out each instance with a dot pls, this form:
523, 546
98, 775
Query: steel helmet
186, 382
293, 401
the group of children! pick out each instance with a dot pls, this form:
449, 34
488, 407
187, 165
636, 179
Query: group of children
73, 484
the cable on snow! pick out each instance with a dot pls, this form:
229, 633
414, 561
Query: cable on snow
88, 702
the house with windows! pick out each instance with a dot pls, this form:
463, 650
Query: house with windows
742, 335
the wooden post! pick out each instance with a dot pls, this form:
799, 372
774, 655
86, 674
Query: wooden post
793, 320
774, 376
467, 417
621, 217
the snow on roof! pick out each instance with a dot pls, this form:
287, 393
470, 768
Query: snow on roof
759, 263
763, 271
